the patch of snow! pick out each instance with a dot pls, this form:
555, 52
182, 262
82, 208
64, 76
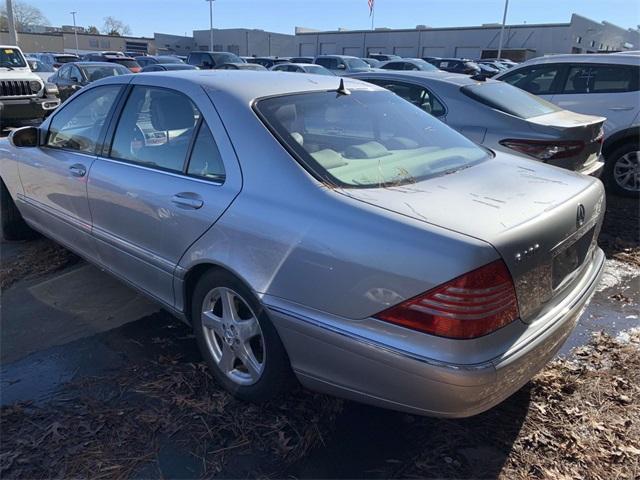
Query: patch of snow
616, 272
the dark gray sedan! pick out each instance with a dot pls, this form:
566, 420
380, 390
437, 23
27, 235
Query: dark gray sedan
502, 117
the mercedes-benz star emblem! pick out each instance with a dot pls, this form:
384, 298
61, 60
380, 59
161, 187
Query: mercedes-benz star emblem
581, 215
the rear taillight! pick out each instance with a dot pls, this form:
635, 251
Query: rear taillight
545, 150
469, 306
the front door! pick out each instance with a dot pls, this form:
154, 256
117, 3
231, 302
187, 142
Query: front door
169, 175
54, 176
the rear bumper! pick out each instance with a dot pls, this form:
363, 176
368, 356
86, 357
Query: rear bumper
594, 169
27, 108
367, 370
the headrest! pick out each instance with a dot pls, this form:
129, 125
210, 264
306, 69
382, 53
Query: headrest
286, 114
171, 112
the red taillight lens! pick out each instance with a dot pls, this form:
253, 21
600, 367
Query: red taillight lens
545, 150
469, 306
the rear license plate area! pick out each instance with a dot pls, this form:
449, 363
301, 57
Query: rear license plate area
571, 258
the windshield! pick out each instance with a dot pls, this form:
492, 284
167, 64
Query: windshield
318, 70
221, 58
96, 72
354, 63
425, 66
509, 99
11, 58
366, 139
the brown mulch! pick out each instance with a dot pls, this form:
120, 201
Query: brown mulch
582, 421
38, 257
620, 234
116, 426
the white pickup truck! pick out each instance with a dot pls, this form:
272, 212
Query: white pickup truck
23, 94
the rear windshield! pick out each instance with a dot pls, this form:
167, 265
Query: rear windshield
125, 63
366, 139
65, 58
11, 58
509, 99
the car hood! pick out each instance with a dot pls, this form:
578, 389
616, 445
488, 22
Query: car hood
18, 74
526, 210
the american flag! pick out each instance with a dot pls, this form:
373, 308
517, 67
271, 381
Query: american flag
372, 5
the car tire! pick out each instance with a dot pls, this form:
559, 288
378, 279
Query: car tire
12, 225
247, 335
623, 159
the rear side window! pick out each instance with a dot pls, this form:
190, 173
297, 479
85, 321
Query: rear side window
206, 161
77, 126
509, 99
602, 79
538, 79
155, 129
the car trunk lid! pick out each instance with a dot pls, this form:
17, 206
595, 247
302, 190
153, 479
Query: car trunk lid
542, 221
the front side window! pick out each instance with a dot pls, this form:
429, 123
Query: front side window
205, 161
155, 128
538, 80
78, 125
330, 63
366, 139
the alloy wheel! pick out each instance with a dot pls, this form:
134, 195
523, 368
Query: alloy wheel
233, 336
626, 171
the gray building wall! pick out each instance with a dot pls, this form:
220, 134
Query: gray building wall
246, 42
520, 41
173, 44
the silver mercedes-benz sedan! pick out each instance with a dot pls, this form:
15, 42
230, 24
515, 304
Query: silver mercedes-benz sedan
502, 117
318, 228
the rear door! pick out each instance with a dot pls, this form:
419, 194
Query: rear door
602, 89
169, 173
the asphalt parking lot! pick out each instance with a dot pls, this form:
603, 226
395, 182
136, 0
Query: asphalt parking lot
109, 385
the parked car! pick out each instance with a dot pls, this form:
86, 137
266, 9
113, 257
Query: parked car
23, 94
302, 68
372, 62
457, 65
594, 84
43, 70
209, 60
340, 64
241, 66
487, 71
499, 66
506, 61
305, 60
55, 60
163, 67
383, 57
409, 64
127, 62
74, 76
267, 62
502, 117
145, 60
355, 241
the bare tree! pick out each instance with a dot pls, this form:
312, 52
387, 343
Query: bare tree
113, 26
93, 30
25, 15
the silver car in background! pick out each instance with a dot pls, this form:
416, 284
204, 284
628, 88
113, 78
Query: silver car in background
502, 117
318, 226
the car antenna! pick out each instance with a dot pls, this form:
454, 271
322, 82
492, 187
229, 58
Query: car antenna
342, 90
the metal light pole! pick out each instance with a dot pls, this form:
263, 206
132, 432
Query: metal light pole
210, 23
504, 20
13, 34
75, 32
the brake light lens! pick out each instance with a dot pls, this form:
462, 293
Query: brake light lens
545, 150
469, 306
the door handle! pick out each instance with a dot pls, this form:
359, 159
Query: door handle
78, 170
187, 200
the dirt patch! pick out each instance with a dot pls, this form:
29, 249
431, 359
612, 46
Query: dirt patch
620, 235
154, 417
582, 421
37, 257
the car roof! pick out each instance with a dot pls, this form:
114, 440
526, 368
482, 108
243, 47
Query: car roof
437, 77
92, 64
246, 86
337, 56
620, 58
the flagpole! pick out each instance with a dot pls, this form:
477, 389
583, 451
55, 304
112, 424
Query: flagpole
373, 16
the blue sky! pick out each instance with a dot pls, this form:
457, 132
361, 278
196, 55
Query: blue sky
180, 16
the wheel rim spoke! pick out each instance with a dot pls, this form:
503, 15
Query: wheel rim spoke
250, 362
212, 322
227, 359
228, 306
247, 329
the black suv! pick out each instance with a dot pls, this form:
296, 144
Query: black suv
209, 60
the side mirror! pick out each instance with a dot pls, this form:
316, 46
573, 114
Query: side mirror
342, 66
75, 79
24, 137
